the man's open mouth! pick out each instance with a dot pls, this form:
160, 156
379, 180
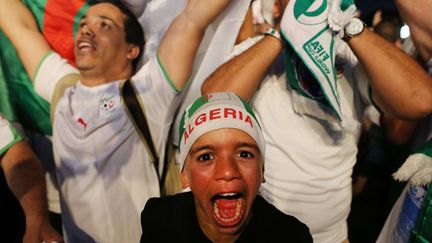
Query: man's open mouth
86, 46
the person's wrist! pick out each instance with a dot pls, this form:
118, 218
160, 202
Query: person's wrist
353, 28
273, 33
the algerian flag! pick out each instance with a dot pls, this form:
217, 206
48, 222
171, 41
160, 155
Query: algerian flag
58, 21
418, 166
305, 27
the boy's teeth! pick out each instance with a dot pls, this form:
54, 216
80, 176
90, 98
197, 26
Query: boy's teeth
225, 209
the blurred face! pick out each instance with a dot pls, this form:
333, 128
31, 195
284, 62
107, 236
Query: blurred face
100, 43
224, 171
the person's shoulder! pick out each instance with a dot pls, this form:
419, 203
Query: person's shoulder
169, 205
167, 219
282, 225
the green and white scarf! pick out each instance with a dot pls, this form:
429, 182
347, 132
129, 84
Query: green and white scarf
306, 28
418, 167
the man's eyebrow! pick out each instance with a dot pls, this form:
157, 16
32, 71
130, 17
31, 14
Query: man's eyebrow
108, 18
102, 17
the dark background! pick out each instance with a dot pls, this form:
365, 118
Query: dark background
367, 6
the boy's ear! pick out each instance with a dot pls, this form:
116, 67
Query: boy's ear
184, 180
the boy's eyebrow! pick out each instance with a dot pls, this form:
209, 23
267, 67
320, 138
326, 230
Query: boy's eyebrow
195, 150
249, 145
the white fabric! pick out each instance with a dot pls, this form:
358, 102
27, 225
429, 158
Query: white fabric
267, 9
137, 6
337, 18
309, 165
417, 169
104, 169
387, 232
344, 53
372, 113
243, 46
7, 135
262, 11
155, 20
45, 86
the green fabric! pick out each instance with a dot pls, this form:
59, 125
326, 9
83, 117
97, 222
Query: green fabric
422, 233
79, 16
5, 105
345, 4
426, 149
19, 102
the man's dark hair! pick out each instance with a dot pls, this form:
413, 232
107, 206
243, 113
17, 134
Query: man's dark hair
133, 29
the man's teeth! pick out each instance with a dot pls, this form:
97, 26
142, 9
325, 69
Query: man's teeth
84, 44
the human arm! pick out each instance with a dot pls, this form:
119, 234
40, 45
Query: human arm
182, 39
243, 74
398, 131
25, 178
19, 25
400, 87
416, 13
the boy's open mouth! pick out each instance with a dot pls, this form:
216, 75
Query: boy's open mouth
228, 208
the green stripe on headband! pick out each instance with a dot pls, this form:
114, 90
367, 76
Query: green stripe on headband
249, 109
189, 112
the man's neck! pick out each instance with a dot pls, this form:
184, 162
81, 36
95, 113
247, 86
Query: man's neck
92, 80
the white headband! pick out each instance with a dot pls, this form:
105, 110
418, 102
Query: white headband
215, 111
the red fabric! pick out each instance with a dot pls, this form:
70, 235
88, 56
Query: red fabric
58, 25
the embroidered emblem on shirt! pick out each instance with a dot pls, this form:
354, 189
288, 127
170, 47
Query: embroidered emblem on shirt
107, 104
